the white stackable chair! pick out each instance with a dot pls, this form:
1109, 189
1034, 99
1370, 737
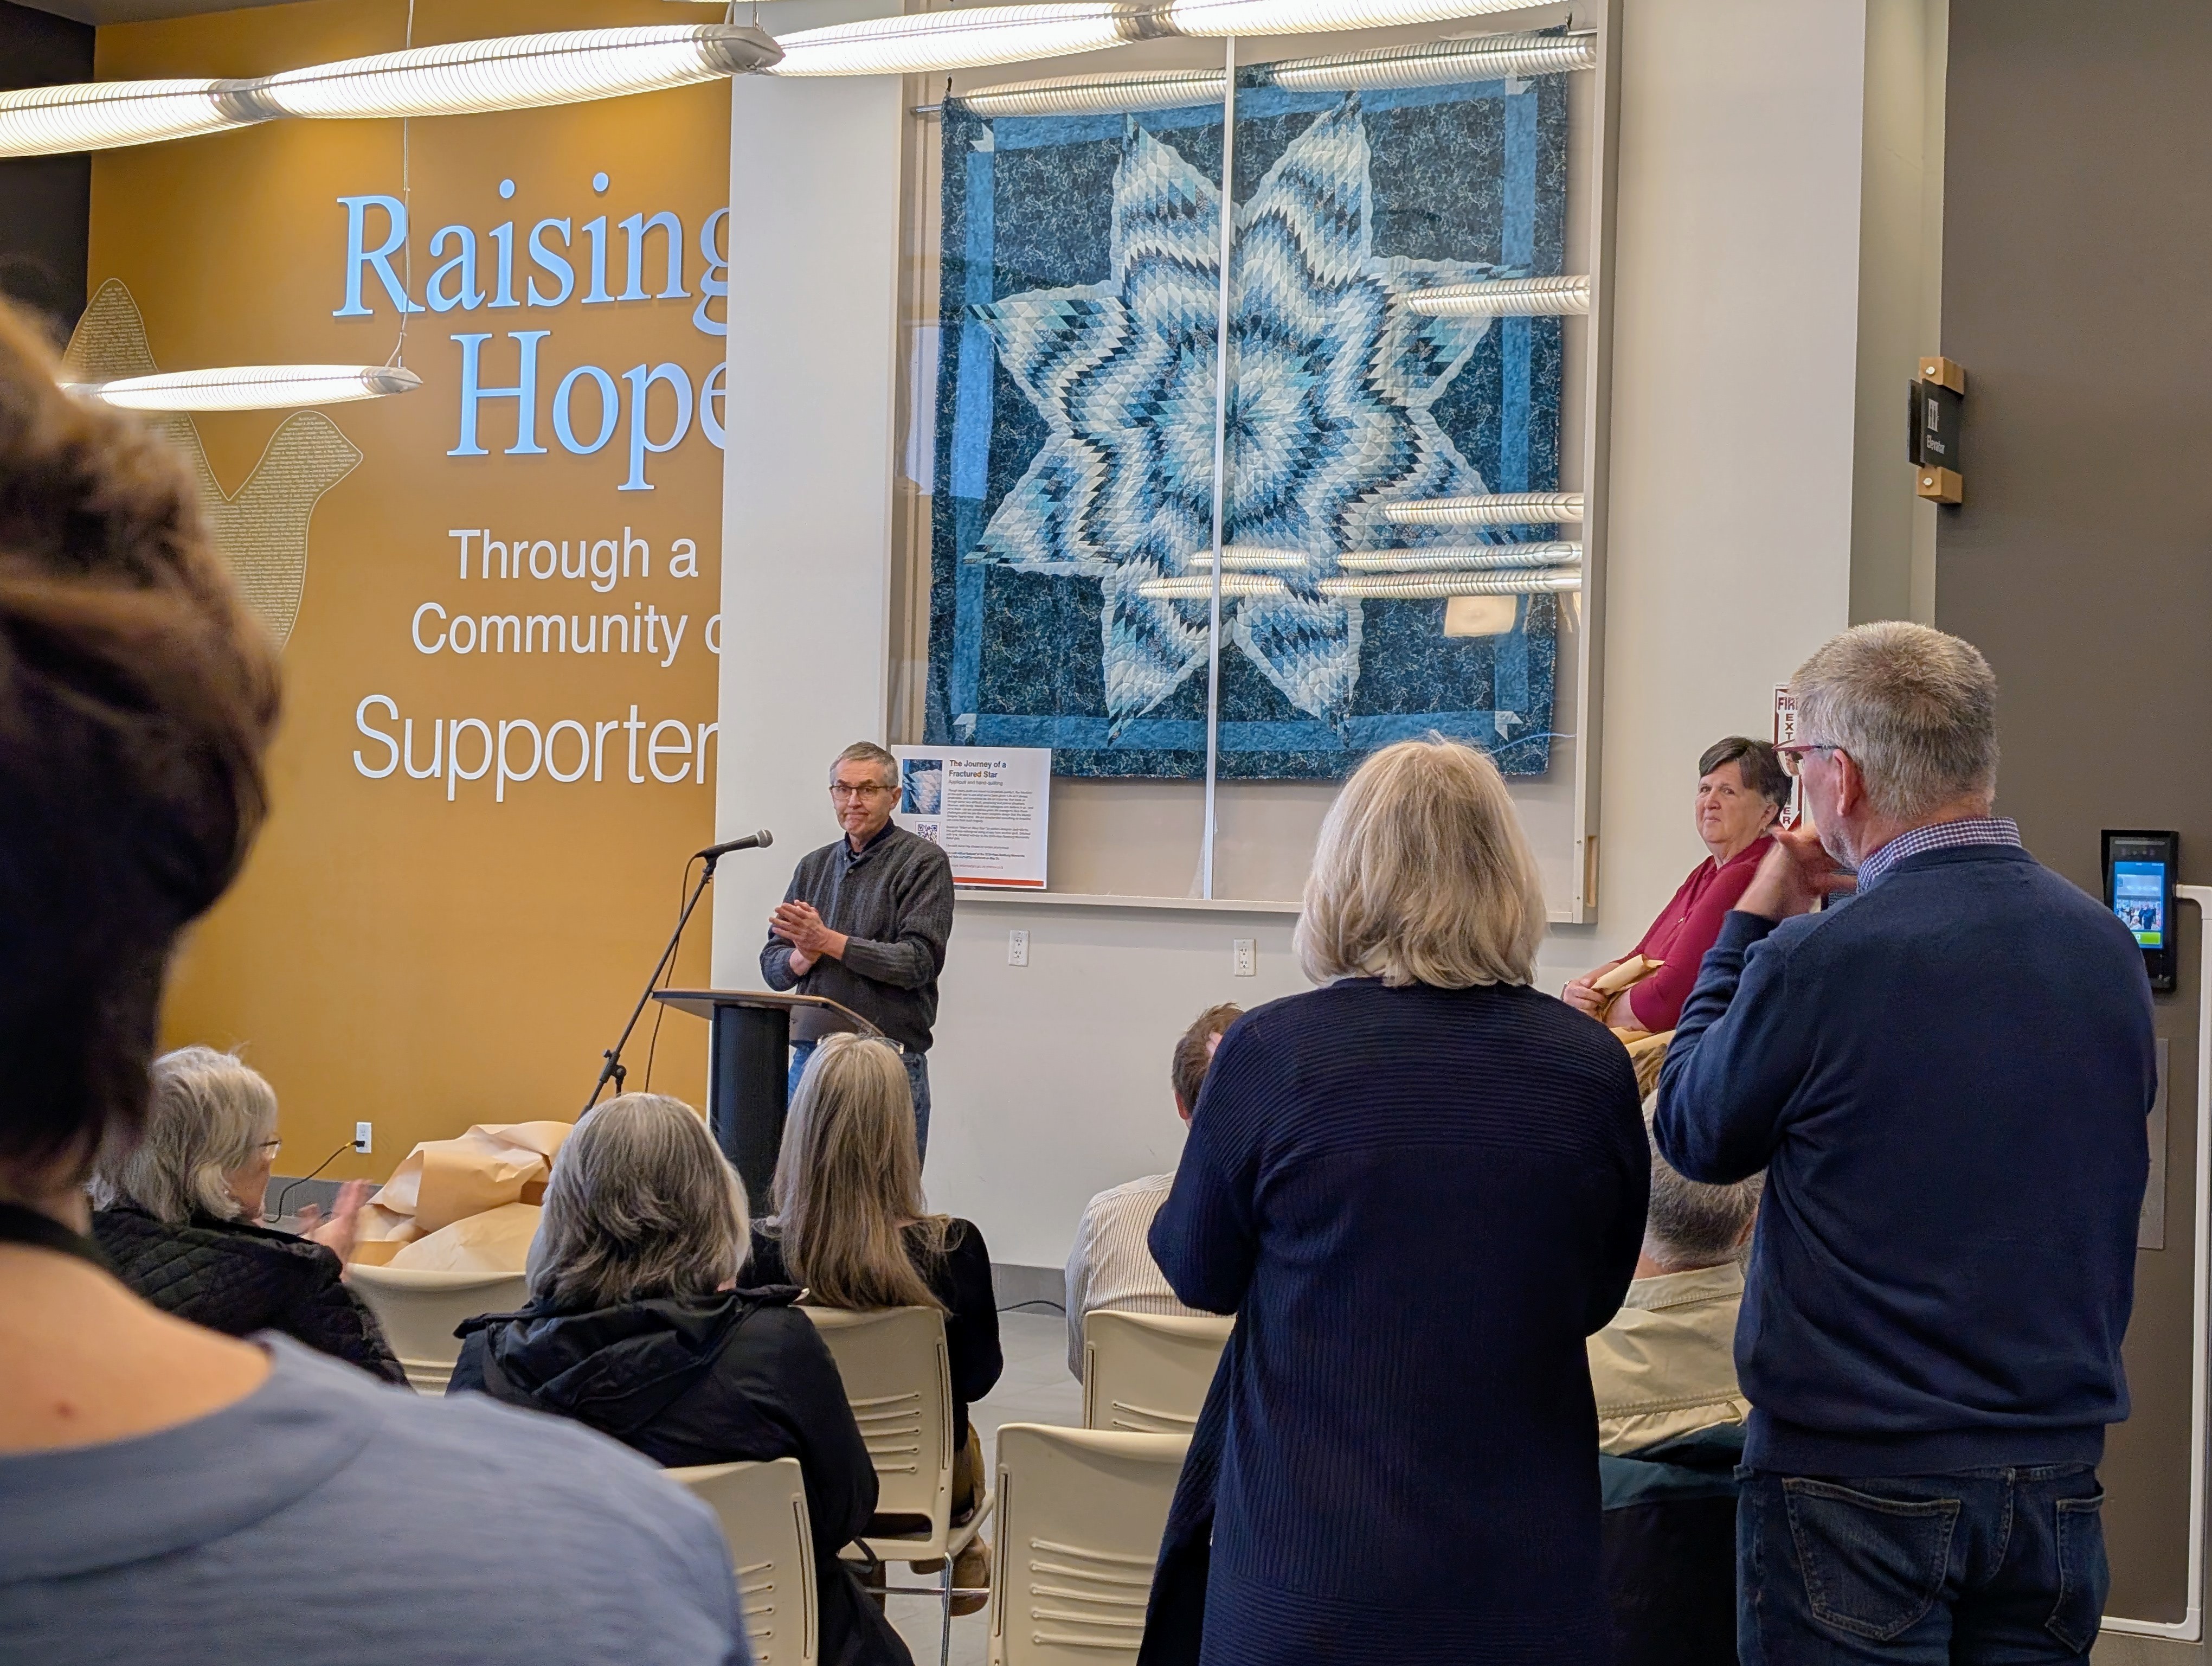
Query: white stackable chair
763, 1510
419, 1309
1080, 1515
1148, 1373
898, 1380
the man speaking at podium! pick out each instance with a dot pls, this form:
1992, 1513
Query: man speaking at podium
865, 919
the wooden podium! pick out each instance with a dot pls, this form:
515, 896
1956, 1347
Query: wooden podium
751, 1065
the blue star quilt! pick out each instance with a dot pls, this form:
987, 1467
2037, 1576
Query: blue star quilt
1074, 434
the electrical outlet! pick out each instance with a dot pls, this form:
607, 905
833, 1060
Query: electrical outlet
364, 1136
1247, 957
1017, 948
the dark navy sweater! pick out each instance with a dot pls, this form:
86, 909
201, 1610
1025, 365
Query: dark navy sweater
1946, 1080
1418, 1203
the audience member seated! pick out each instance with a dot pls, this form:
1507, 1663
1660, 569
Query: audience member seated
1671, 1427
179, 1212
635, 1327
1743, 790
1111, 1267
852, 1226
1665, 1365
170, 1495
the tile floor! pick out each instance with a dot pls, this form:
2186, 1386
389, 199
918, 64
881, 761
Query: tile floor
1036, 1389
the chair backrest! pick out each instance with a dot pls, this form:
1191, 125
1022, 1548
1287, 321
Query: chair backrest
1148, 1373
419, 1310
1080, 1515
898, 1379
763, 1510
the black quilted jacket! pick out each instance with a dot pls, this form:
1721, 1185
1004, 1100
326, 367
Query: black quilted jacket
239, 1278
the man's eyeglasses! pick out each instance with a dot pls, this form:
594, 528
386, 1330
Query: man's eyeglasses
864, 790
1793, 753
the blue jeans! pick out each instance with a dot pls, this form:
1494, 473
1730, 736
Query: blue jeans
1972, 1569
917, 1082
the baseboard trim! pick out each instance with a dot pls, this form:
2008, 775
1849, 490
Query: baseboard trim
1014, 1285
320, 1193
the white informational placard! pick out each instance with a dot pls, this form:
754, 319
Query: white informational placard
988, 809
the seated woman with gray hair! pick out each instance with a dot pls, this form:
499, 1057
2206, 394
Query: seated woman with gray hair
178, 1213
635, 1327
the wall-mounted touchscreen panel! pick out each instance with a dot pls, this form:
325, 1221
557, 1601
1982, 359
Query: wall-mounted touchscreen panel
2140, 875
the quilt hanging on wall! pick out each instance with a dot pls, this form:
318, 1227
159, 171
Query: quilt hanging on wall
1074, 424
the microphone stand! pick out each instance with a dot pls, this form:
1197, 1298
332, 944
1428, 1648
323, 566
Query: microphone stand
612, 1070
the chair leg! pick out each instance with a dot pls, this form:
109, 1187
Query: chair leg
945, 1643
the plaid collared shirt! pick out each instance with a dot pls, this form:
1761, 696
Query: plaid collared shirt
1936, 835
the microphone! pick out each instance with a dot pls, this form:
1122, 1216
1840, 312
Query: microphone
752, 840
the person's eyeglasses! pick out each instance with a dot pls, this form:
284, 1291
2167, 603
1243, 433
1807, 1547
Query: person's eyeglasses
272, 1147
866, 790
1793, 753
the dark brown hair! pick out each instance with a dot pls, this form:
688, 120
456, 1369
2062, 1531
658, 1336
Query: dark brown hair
1756, 761
137, 698
1193, 1055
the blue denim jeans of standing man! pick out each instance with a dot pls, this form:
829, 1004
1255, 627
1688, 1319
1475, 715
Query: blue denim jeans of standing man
1971, 1569
917, 1080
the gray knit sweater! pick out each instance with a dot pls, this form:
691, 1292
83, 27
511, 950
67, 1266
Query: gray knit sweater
894, 901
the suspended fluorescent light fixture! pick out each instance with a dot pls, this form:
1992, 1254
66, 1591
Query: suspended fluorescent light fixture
1075, 95
1494, 509
251, 387
1505, 297
1255, 17
465, 78
1378, 587
1429, 587
1484, 558
1199, 588
98, 115
512, 72
1489, 58
965, 37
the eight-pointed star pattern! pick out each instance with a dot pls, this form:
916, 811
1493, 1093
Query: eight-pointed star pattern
1331, 385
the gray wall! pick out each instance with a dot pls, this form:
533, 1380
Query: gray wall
2077, 235
45, 202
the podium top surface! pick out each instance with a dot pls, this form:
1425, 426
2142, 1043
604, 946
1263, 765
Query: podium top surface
826, 1012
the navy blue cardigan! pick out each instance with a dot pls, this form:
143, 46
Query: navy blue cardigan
1418, 1202
1945, 1081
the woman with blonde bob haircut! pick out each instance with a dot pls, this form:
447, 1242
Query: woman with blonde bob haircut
1381, 904
635, 1327
852, 1226
1418, 1188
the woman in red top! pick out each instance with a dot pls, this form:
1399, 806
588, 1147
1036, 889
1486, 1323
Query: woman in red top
1741, 791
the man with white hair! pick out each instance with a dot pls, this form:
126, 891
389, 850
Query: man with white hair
1946, 1077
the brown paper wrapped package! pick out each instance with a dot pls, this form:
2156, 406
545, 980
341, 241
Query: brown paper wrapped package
381, 1234
496, 1241
1630, 971
1646, 1052
492, 1167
